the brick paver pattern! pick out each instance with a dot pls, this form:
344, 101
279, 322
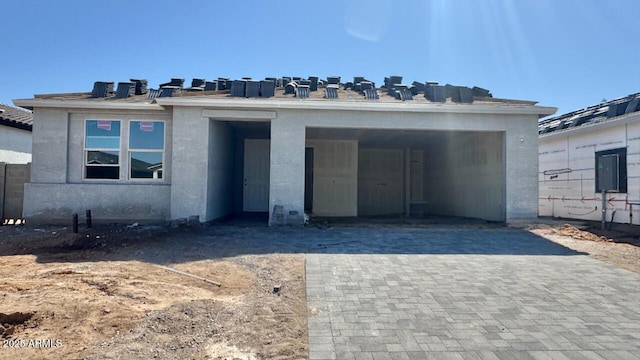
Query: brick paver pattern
466, 294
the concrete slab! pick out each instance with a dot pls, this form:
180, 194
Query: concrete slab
411, 293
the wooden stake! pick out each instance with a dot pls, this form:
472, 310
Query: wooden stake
190, 275
88, 218
75, 223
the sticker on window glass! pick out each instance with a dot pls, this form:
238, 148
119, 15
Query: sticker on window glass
104, 125
146, 126
147, 135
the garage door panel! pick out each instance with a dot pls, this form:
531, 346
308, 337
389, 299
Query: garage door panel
380, 182
335, 178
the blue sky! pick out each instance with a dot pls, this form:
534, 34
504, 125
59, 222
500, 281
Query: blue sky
568, 54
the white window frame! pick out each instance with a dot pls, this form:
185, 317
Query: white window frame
86, 152
130, 150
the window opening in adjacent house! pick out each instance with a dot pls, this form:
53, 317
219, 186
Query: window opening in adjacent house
611, 170
146, 149
102, 149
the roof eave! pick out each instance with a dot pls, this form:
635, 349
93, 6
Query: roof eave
85, 104
541, 111
160, 103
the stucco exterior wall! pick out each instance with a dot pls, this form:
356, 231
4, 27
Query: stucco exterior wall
57, 188
50, 142
15, 145
521, 144
55, 203
220, 174
203, 168
567, 173
190, 164
286, 178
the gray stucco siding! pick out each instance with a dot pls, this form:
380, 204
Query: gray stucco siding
15, 145
50, 141
190, 163
53, 203
220, 170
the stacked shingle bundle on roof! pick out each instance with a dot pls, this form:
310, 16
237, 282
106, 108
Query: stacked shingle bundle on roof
331, 88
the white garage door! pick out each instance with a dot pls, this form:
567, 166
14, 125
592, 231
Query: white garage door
335, 177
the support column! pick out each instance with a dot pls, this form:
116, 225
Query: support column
189, 163
520, 154
49, 162
49, 146
286, 184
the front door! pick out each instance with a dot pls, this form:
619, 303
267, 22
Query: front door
255, 195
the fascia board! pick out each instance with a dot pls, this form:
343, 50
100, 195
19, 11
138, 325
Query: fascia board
83, 104
360, 106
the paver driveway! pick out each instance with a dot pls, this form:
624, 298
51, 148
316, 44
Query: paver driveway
466, 294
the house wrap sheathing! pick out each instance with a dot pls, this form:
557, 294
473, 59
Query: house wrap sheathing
587, 151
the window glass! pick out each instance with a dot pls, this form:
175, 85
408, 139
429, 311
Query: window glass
145, 149
146, 165
102, 149
146, 145
103, 157
102, 172
611, 170
146, 135
102, 134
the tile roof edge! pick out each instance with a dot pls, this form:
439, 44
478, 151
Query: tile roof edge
16, 117
625, 118
16, 125
4, 106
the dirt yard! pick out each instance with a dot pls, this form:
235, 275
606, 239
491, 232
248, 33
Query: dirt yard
617, 247
104, 295
107, 293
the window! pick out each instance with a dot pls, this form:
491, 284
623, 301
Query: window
146, 149
611, 170
102, 149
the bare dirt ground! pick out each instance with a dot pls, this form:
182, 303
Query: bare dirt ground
620, 247
103, 295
